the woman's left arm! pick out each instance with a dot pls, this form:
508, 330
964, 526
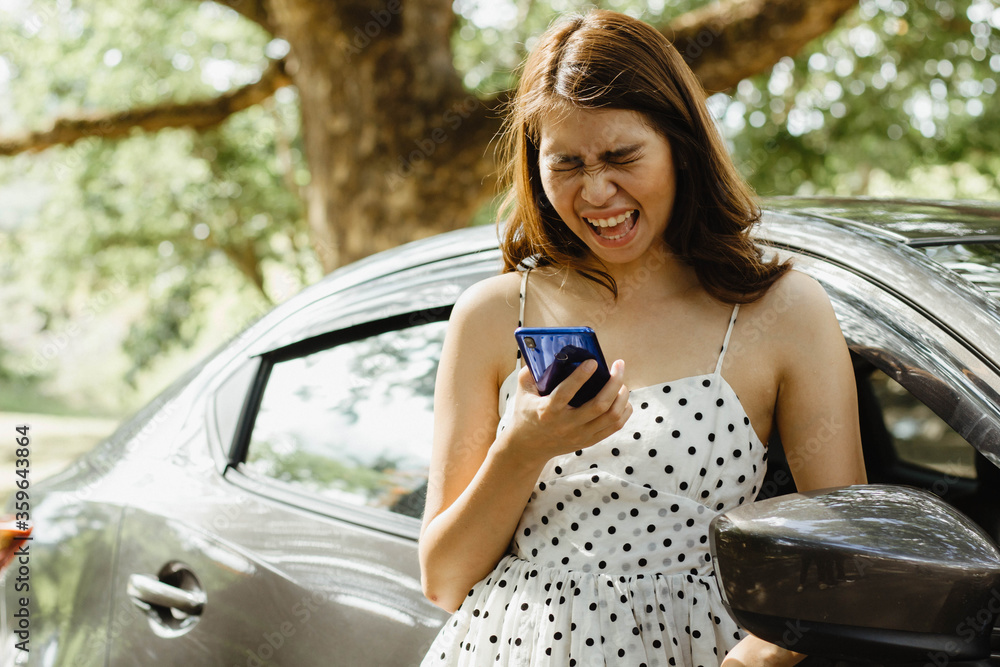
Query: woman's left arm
816, 409
816, 414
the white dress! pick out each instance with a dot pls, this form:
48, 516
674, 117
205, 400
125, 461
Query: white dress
610, 562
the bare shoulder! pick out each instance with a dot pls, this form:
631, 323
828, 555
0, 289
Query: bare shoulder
798, 300
798, 320
494, 299
483, 322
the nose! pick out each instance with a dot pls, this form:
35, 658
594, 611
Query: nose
598, 187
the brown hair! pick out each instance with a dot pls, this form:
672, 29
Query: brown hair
604, 59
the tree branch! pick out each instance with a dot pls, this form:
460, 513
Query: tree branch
244, 258
113, 125
727, 41
723, 42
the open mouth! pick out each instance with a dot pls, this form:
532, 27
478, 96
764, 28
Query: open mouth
616, 227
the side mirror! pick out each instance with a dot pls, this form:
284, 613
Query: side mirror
871, 572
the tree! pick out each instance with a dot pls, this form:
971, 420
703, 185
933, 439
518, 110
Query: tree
396, 145
163, 242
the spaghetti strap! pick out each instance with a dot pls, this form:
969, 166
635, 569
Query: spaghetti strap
520, 317
725, 343
524, 290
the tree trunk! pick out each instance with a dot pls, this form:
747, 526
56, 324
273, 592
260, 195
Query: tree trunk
396, 147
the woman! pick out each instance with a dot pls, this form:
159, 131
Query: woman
578, 536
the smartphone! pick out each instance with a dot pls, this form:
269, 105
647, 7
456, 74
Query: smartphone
552, 353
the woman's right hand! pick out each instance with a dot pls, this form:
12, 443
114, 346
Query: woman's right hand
546, 426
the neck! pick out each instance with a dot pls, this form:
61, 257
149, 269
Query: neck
657, 273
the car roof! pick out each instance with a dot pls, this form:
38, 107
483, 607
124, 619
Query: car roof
913, 222
909, 222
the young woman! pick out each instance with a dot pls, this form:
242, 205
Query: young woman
578, 536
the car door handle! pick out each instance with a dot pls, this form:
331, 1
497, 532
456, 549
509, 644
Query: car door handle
154, 592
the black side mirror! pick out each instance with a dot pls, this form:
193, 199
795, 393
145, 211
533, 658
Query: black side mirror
872, 572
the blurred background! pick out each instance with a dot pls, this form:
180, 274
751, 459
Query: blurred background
167, 168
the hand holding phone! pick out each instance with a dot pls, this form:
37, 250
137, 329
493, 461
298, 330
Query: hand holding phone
553, 353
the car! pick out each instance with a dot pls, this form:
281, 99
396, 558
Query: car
264, 509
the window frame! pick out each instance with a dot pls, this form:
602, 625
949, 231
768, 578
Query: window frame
236, 472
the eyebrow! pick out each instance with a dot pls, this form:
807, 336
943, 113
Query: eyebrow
605, 156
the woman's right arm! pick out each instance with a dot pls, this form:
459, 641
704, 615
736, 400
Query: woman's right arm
479, 483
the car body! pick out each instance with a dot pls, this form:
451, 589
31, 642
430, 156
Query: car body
264, 509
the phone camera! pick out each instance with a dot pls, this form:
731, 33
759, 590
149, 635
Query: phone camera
529, 342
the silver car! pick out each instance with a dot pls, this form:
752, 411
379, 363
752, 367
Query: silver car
264, 509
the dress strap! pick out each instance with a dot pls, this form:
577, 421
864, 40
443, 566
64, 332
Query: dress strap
725, 343
520, 317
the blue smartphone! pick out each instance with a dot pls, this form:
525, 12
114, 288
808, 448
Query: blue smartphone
552, 353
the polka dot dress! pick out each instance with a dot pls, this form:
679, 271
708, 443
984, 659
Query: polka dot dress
610, 563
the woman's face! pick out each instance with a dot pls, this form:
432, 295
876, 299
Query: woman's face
610, 177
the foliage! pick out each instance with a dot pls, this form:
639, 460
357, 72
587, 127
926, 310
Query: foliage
900, 100
179, 218
491, 38
317, 473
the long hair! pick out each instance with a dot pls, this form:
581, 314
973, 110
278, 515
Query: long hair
607, 60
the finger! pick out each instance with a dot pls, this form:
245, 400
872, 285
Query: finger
615, 425
617, 413
617, 380
621, 400
605, 398
567, 389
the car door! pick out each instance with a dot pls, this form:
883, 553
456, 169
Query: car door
301, 547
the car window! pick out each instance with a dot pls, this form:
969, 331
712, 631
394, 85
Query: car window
229, 399
919, 436
352, 423
977, 262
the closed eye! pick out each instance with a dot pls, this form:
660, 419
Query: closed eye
617, 158
565, 164
623, 156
